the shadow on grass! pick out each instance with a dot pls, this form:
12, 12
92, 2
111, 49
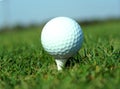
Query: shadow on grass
73, 60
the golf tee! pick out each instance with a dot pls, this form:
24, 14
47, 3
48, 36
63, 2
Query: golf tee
60, 63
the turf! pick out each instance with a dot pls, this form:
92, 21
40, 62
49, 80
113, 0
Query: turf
25, 65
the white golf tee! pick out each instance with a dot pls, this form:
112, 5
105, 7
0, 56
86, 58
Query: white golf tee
60, 63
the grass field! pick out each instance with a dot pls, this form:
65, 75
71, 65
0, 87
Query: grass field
25, 65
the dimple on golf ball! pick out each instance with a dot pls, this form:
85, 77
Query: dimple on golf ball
62, 37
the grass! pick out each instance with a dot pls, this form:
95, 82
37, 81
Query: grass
25, 65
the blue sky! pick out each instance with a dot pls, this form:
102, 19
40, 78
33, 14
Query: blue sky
36, 11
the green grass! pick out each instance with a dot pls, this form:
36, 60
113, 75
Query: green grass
25, 65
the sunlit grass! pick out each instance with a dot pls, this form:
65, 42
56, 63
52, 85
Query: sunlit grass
25, 65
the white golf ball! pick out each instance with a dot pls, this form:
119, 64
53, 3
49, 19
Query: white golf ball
62, 37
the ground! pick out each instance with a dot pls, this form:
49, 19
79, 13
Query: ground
25, 65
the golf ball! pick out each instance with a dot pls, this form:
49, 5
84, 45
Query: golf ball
62, 37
